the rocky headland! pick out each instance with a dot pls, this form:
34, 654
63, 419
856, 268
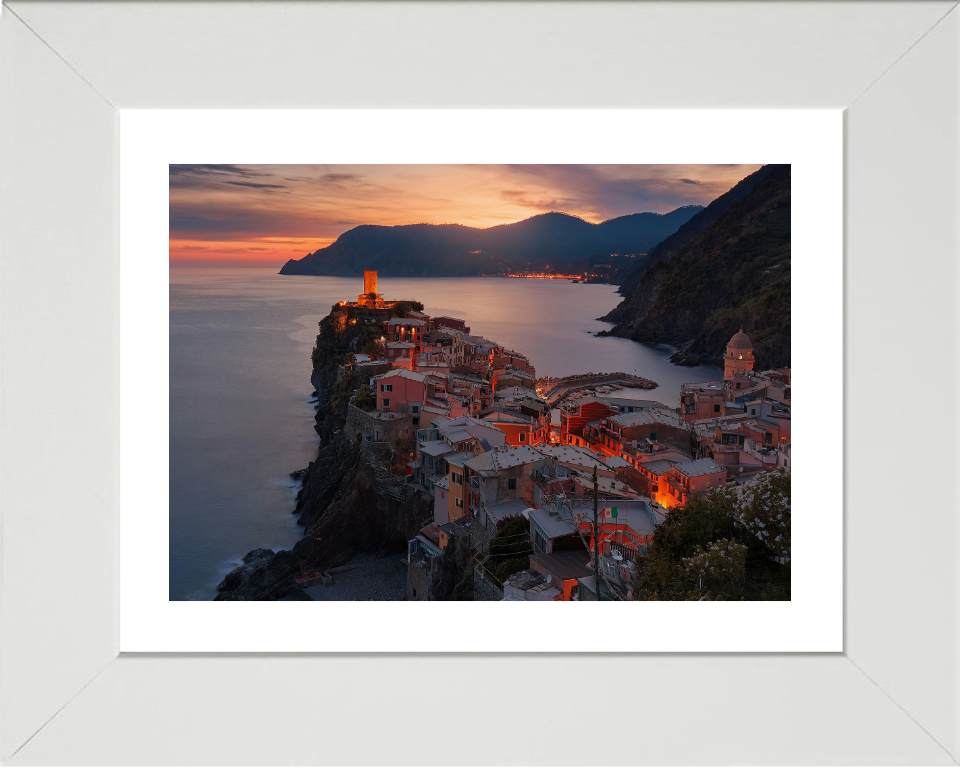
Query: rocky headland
349, 502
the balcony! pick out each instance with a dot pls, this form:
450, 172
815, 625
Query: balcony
677, 485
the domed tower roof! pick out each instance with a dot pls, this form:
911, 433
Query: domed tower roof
740, 341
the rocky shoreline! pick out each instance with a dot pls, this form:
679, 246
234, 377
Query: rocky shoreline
338, 505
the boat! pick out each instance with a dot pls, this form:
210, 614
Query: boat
574, 281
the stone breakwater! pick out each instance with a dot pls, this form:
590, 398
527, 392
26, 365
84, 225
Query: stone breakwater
347, 504
554, 388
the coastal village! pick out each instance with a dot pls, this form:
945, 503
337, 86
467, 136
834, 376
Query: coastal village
551, 488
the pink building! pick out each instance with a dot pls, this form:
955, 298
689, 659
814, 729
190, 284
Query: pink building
702, 401
406, 329
401, 354
402, 391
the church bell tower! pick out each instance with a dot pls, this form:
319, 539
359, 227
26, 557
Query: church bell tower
739, 357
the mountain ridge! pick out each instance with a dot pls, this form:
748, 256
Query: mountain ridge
553, 239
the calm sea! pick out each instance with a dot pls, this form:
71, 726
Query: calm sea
240, 413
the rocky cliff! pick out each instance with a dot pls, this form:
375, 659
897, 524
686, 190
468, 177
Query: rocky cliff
735, 274
348, 502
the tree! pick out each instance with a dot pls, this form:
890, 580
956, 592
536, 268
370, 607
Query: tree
401, 308
685, 538
510, 549
374, 349
366, 399
765, 511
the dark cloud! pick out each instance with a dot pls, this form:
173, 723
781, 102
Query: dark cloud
185, 177
218, 170
256, 186
340, 178
690, 181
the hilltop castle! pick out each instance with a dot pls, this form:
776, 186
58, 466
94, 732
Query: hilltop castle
370, 306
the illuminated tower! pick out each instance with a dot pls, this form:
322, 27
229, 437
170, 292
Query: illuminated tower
369, 297
739, 357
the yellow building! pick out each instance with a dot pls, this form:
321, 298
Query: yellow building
457, 494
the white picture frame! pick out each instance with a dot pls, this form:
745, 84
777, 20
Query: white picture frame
65, 71
810, 141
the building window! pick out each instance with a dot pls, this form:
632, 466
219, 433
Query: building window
458, 478
512, 484
540, 542
523, 437
386, 403
458, 502
716, 408
386, 387
415, 408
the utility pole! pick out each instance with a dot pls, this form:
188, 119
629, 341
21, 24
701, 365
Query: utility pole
596, 536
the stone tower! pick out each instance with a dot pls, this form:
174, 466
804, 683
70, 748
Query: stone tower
739, 357
370, 282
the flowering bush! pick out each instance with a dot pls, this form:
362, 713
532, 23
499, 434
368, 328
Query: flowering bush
721, 567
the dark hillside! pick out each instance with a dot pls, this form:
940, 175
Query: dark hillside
695, 227
735, 274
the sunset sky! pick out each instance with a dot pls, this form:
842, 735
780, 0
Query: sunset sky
263, 215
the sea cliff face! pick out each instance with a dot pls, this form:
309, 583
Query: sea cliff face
347, 503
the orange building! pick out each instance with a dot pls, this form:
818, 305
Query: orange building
688, 478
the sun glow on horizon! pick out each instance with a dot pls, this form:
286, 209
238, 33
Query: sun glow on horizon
268, 214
